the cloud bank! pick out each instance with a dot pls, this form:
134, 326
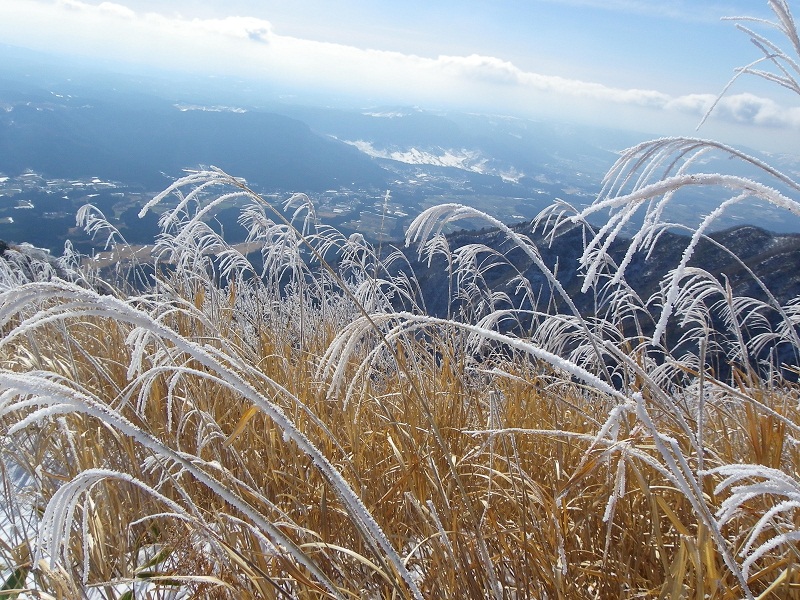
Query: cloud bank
249, 47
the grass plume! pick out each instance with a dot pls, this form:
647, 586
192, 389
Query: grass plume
204, 428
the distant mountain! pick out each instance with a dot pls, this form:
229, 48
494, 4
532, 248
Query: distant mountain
137, 142
506, 147
140, 131
774, 258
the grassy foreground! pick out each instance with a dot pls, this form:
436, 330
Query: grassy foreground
164, 427
308, 431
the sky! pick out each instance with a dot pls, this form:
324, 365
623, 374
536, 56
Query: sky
647, 65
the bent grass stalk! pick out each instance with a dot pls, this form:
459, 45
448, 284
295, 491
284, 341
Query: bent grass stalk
309, 431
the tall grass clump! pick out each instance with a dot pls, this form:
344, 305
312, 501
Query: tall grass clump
304, 428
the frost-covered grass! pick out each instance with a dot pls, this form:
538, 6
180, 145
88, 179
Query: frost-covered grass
308, 430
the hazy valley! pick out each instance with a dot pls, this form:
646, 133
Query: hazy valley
65, 142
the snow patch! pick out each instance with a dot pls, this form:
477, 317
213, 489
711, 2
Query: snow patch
385, 115
511, 175
467, 160
464, 159
389, 113
188, 107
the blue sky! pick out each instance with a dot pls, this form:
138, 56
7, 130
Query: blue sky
649, 65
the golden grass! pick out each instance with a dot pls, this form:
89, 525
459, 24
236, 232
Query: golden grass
446, 459
308, 432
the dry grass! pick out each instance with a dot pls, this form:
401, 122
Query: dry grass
432, 459
309, 432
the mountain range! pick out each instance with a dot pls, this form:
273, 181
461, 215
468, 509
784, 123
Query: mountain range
71, 120
140, 133
734, 255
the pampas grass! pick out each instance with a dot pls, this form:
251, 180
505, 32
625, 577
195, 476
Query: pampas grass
200, 428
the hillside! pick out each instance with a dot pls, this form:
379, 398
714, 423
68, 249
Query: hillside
137, 140
772, 258
310, 429
251, 393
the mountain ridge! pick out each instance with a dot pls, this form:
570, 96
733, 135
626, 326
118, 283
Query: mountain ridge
772, 257
138, 144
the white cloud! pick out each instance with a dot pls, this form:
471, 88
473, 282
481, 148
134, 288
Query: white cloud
595, 91
751, 109
113, 32
695, 104
116, 10
243, 28
248, 47
745, 108
481, 68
